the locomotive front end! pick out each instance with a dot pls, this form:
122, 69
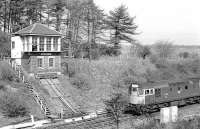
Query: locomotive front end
136, 95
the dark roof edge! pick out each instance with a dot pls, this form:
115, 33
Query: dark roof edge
30, 31
38, 34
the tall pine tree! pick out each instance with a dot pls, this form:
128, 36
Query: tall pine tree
121, 25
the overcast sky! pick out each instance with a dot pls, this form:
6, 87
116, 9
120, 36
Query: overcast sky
174, 20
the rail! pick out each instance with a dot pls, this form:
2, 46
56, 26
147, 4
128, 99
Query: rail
59, 94
40, 101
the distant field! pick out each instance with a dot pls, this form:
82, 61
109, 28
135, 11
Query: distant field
190, 49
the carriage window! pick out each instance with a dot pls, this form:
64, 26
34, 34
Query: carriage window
179, 88
170, 89
146, 92
157, 92
186, 87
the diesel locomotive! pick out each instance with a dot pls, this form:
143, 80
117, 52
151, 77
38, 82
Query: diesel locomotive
150, 97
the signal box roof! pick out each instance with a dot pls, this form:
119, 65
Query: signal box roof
38, 29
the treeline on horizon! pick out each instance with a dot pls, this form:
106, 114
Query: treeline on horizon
82, 22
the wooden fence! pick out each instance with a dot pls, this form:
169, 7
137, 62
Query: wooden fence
23, 77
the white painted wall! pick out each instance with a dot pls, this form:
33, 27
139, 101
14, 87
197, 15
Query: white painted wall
169, 114
59, 44
16, 53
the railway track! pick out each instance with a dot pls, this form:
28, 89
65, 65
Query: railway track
56, 93
95, 123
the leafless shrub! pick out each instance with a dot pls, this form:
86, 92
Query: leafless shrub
81, 81
163, 49
12, 106
6, 72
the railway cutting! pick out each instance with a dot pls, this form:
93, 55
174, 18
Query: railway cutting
62, 106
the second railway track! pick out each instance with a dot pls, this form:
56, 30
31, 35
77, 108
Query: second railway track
53, 87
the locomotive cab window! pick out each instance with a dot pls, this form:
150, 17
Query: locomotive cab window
140, 92
134, 89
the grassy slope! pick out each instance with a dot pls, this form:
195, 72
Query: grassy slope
19, 89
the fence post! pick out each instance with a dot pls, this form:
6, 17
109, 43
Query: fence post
32, 118
61, 113
15, 66
23, 78
41, 105
19, 74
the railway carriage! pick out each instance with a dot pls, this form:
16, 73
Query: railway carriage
153, 96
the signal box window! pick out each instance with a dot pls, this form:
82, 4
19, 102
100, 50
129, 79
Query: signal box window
13, 45
39, 63
41, 44
34, 44
51, 62
157, 92
48, 44
55, 44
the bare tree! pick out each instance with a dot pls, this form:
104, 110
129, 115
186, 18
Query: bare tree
143, 51
163, 49
115, 107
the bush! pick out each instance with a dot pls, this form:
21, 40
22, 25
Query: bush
81, 81
184, 54
4, 44
69, 69
143, 51
2, 87
6, 72
12, 106
152, 124
106, 50
86, 51
163, 49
